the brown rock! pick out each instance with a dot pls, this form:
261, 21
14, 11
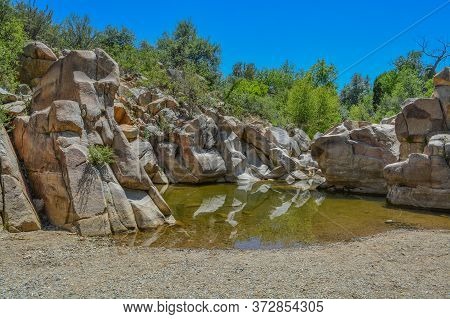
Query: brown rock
354, 159
35, 61
16, 206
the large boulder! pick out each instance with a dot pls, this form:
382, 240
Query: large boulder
442, 92
35, 61
16, 208
352, 156
73, 111
417, 121
422, 180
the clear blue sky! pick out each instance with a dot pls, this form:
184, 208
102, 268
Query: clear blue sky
270, 32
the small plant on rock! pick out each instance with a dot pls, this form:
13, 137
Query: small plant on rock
5, 119
99, 155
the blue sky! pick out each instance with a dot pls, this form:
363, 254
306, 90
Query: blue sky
270, 32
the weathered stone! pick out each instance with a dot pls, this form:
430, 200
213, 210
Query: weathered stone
15, 108
94, 226
72, 109
353, 160
419, 118
16, 206
162, 103
146, 213
121, 114
442, 78
410, 148
130, 132
7, 97
36, 60
65, 116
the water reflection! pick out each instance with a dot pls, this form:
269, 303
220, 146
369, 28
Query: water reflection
263, 215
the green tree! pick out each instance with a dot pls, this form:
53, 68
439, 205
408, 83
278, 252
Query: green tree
78, 33
244, 70
12, 39
143, 61
38, 23
311, 107
113, 38
185, 48
355, 91
383, 86
323, 74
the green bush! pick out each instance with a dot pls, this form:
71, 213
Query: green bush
5, 118
99, 155
313, 108
12, 39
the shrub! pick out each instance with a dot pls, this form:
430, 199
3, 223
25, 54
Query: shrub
99, 155
313, 108
5, 118
12, 39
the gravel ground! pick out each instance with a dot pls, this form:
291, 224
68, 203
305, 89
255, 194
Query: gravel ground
397, 264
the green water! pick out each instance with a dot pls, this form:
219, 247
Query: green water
270, 215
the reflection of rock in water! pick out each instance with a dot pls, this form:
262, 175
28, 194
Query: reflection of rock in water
318, 198
230, 219
211, 205
301, 198
280, 210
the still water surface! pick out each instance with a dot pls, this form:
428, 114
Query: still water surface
272, 215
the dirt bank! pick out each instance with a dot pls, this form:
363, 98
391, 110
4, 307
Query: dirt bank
398, 264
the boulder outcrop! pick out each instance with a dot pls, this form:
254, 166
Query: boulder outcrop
35, 61
73, 111
16, 208
352, 156
201, 145
422, 178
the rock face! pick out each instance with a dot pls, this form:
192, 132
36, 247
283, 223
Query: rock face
422, 179
417, 122
186, 144
16, 209
36, 59
73, 110
352, 156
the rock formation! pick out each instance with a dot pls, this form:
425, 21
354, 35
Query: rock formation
191, 145
73, 110
352, 156
35, 61
16, 208
422, 179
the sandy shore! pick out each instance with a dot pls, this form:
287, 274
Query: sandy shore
397, 264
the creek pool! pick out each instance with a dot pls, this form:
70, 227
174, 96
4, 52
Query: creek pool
267, 215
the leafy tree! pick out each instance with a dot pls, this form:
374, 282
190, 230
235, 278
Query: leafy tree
323, 74
311, 107
244, 70
355, 91
363, 110
278, 79
412, 61
77, 33
143, 61
38, 23
383, 85
12, 39
115, 38
184, 48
